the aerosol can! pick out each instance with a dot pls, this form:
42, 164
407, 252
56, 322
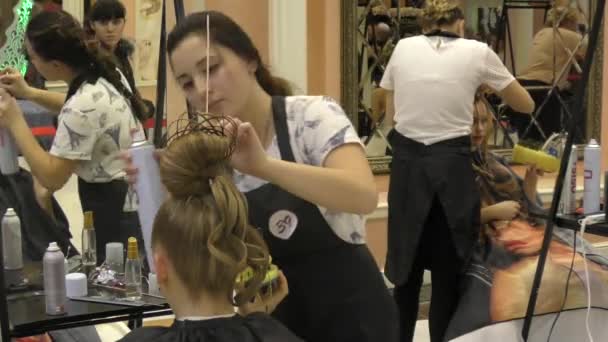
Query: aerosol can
11, 246
567, 204
149, 190
9, 164
591, 197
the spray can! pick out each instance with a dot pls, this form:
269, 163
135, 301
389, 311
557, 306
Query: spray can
567, 204
89, 243
54, 280
9, 164
11, 245
591, 196
133, 271
149, 190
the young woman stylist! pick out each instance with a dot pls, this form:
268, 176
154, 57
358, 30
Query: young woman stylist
302, 168
433, 200
97, 120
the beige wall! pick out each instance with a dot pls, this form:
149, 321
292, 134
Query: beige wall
251, 15
323, 55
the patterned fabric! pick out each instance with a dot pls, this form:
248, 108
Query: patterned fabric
317, 125
94, 125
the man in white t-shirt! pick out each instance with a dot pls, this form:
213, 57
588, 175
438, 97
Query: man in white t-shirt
431, 82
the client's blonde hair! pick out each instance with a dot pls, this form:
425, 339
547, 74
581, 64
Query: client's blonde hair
440, 12
203, 225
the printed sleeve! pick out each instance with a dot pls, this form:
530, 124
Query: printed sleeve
76, 134
325, 127
494, 73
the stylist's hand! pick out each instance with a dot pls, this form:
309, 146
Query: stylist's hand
249, 156
12, 81
269, 302
10, 112
531, 178
130, 168
505, 210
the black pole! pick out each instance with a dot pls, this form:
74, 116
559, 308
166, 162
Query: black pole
161, 82
579, 97
180, 12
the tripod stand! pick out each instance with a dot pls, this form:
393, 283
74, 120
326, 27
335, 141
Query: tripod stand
553, 89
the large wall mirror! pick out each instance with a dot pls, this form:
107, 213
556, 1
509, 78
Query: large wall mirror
371, 28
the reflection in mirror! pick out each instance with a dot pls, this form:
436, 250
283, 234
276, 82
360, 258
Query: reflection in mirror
380, 26
541, 44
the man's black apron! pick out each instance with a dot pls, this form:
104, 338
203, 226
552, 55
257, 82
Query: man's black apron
336, 291
419, 175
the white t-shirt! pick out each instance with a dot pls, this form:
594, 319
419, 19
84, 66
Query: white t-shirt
93, 126
434, 80
317, 125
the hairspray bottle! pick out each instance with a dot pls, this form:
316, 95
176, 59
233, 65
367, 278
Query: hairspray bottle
9, 164
567, 204
54, 280
133, 271
89, 243
149, 190
11, 245
591, 196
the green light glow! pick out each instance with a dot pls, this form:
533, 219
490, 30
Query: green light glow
12, 53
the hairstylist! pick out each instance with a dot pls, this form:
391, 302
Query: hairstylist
433, 199
303, 170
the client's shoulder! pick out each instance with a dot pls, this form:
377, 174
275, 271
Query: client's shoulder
154, 334
269, 329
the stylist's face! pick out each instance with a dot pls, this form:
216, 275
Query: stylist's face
231, 79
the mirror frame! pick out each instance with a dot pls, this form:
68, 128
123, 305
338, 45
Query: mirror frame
349, 83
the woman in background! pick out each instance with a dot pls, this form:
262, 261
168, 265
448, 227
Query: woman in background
201, 241
499, 276
106, 22
549, 59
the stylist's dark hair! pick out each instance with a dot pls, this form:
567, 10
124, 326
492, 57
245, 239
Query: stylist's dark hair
227, 33
104, 10
58, 36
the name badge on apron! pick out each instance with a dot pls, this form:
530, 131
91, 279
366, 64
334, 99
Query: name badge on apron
282, 224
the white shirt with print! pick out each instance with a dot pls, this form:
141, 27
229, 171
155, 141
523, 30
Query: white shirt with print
317, 125
93, 126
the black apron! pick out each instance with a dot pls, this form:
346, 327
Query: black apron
336, 291
420, 175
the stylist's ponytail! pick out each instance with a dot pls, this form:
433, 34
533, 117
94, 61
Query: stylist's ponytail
106, 67
274, 86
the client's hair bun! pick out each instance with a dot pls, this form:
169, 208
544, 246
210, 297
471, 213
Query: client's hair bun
187, 167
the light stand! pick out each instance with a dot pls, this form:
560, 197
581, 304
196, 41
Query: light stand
579, 98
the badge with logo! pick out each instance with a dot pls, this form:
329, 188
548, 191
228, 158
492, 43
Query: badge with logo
283, 224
